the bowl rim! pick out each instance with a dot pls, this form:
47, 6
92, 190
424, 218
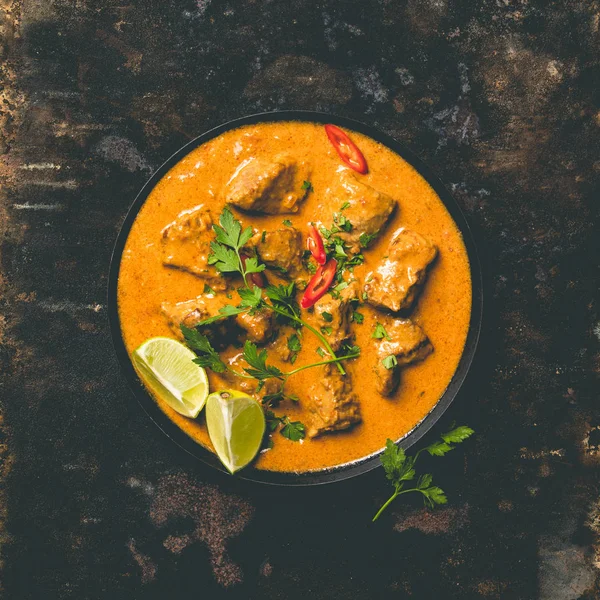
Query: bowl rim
352, 468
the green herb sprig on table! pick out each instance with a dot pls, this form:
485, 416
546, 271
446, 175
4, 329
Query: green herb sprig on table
400, 468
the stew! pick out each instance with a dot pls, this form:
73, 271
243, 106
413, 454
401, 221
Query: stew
400, 291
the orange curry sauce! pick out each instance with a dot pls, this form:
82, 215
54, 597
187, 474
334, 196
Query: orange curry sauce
442, 310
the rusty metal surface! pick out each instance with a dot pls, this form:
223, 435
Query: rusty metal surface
499, 97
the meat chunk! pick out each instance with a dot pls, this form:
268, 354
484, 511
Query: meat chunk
335, 313
186, 245
280, 249
397, 281
268, 186
367, 210
258, 327
408, 343
333, 403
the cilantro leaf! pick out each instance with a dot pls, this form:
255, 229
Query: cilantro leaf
307, 186
358, 317
380, 332
208, 290
345, 206
293, 343
366, 238
328, 317
389, 362
258, 363
287, 222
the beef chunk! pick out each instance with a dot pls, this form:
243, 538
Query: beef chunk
397, 281
368, 210
186, 245
408, 343
280, 249
333, 403
268, 186
335, 313
258, 327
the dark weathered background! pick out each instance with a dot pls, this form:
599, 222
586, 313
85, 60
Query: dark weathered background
500, 97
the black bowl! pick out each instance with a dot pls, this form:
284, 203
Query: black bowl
355, 467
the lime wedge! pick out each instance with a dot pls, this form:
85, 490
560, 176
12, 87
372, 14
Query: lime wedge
236, 425
167, 369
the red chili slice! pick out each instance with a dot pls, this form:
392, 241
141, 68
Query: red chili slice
319, 284
257, 279
347, 149
314, 243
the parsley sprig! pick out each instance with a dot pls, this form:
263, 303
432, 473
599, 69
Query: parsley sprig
226, 257
400, 468
225, 251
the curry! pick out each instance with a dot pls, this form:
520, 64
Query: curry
399, 289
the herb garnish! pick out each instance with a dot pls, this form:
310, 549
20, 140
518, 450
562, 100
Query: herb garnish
225, 251
366, 238
400, 468
292, 430
327, 316
380, 332
357, 317
389, 362
287, 222
294, 346
307, 186
208, 290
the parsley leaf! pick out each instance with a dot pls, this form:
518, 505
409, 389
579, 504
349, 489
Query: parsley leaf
225, 251
293, 430
380, 332
258, 363
458, 434
250, 298
207, 355
223, 258
400, 468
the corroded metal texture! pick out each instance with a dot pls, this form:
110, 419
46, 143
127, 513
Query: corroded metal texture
499, 97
